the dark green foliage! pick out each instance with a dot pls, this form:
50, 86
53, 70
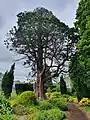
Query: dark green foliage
82, 15
63, 87
27, 98
59, 103
45, 105
52, 114
53, 88
7, 81
21, 87
47, 84
80, 63
5, 109
79, 77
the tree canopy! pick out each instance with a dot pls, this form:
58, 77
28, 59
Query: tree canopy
82, 15
41, 37
80, 72
43, 40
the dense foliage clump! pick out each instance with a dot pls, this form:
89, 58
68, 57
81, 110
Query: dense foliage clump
80, 63
53, 114
7, 81
27, 98
5, 109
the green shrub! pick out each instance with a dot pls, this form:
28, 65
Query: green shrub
20, 110
59, 103
32, 113
27, 98
54, 95
65, 96
52, 114
85, 102
44, 105
5, 109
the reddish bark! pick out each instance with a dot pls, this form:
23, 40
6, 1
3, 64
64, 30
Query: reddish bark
39, 86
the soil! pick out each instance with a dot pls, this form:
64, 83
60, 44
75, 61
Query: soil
75, 113
23, 117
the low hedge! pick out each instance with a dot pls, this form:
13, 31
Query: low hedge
21, 87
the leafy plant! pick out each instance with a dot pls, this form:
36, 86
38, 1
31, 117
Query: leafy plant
27, 98
20, 110
84, 102
5, 109
45, 105
58, 102
53, 114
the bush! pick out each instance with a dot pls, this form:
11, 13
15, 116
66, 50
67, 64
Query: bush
84, 102
21, 87
59, 103
67, 98
53, 114
13, 102
20, 110
27, 98
5, 109
55, 95
32, 113
72, 100
44, 105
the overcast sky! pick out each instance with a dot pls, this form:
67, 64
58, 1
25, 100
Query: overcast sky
63, 9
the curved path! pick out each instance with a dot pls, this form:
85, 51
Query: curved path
75, 113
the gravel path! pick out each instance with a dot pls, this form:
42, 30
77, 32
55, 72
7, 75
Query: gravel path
75, 113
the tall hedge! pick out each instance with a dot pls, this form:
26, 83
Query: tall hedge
21, 87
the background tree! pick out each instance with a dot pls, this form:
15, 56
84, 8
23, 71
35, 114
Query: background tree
7, 81
80, 65
63, 87
42, 40
82, 15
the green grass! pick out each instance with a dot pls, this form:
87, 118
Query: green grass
87, 108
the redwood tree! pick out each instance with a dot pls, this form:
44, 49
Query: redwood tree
43, 40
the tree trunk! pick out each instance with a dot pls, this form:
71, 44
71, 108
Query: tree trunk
39, 79
39, 86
